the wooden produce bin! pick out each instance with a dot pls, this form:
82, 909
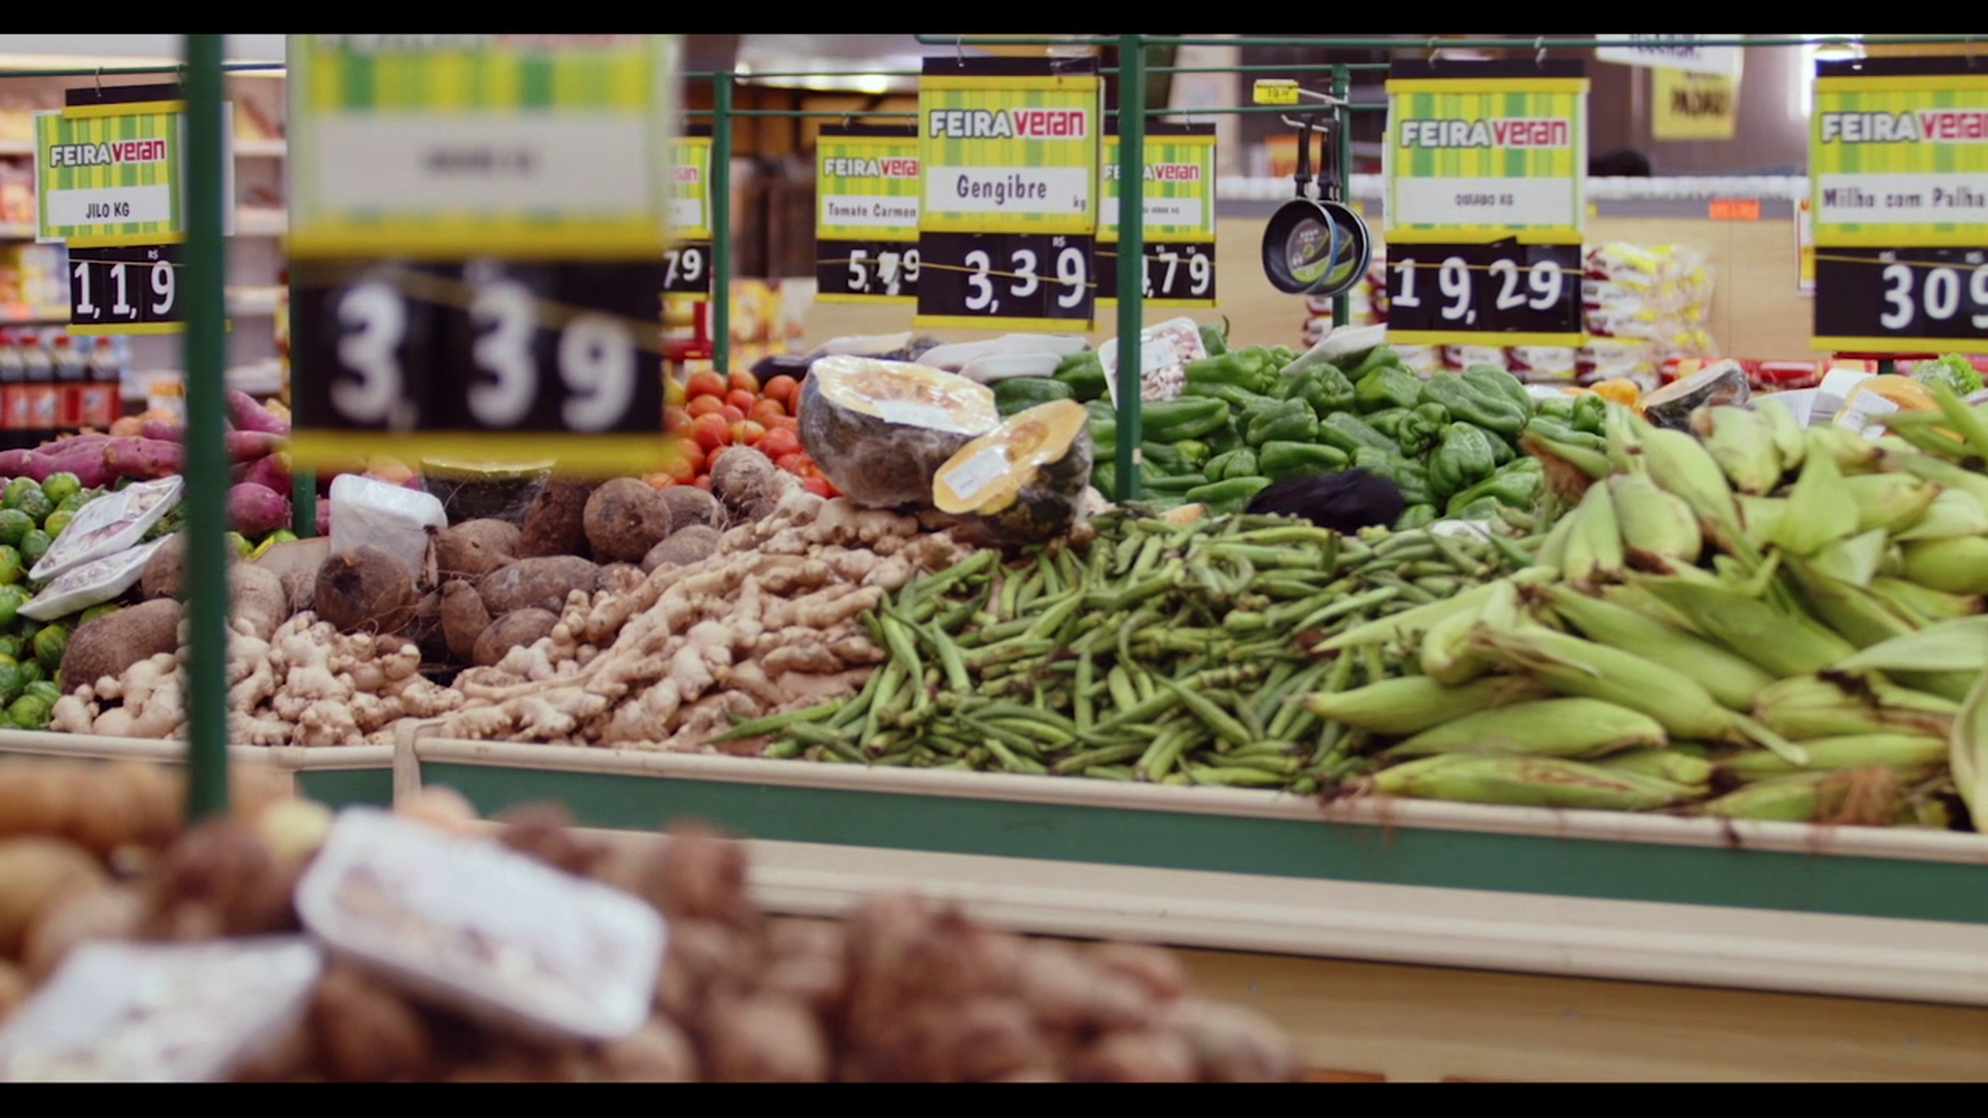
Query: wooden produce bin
335, 776
1374, 931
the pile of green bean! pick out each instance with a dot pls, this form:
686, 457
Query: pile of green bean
1159, 652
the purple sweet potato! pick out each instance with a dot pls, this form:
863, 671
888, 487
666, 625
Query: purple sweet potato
271, 470
249, 416
16, 463
163, 430
256, 510
324, 516
247, 446
142, 459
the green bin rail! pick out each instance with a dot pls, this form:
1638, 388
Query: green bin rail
205, 338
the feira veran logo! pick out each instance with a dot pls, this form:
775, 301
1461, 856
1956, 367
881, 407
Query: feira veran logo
1934, 126
893, 167
1503, 132
1008, 124
1162, 172
106, 153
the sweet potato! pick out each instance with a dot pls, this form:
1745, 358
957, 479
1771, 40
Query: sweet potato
474, 548
257, 510
247, 446
162, 429
690, 505
247, 415
143, 459
541, 583
35, 873
624, 519
683, 547
112, 643
271, 470
365, 590
324, 515
464, 618
556, 523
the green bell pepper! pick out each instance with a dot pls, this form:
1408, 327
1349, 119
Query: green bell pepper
1483, 508
1245, 368
1380, 357
1288, 421
1492, 378
1462, 459
1224, 438
1407, 476
1189, 417
1349, 433
1517, 485
1390, 387
1194, 451
1216, 342
1557, 407
1415, 516
1325, 388
1554, 431
1233, 463
1104, 478
1590, 414
1231, 495
1281, 460
1280, 356
1414, 430
1165, 456
1084, 373
1017, 394
1234, 396
1478, 403
1174, 486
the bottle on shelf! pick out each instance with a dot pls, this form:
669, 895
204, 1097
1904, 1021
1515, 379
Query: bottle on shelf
71, 367
41, 390
103, 392
13, 393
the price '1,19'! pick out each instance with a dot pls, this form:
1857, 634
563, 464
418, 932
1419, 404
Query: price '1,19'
1023, 280
594, 358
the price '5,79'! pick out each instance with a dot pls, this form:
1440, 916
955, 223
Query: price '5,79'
483, 347
1504, 288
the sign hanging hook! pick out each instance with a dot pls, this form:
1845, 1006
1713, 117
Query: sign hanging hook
1433, 40
959, 50
100, 83
1540, 59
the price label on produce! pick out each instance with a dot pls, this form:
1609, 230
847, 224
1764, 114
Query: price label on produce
1898, 162
1178, 241
867, 191
1009, 150
1486, 167
108, 184
687, 262
480, 246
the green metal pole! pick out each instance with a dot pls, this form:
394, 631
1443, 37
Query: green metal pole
206, 458
1131, 255
1342, 303
721, 224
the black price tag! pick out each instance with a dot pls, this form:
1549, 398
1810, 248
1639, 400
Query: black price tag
1517, 294
687, 269
886, 271
127, 289
1875, 299
540, 358
1178, 273
1025, 280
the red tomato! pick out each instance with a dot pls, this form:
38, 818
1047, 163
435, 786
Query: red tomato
704, 482
705, 405
711, 432
732, 415
744, 381
747, 433
783, 423
832, 490
818, 486
677, 420
784, 389
708, 384
795, 464
765, 410
741, 399
779, 442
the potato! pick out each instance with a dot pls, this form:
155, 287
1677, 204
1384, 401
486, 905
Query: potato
556, 524
35, 873
519, 627
745, 480
221, 879
365, 590
366, 1033
112, 643
474, 548
625, 518
463, 619
764, 1039
536, 584
1138, 1057
77, 918
257, 597
691, 505
163, 575
36, 798
658, 1052
296, 563
683, 547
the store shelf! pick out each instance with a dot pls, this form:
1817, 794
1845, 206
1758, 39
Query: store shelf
261, 149
257, 221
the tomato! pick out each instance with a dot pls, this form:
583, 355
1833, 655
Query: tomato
732, 414
795, 464
676, 420
711, 432
704, 482
705, 405
818, 486
658, 481
784, 389
779, 442
747, 433
708, 384
765, 410
784, 423
744, 381
741, 399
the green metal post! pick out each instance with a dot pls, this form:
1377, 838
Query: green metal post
206, 458
721, 223
1131, 254
1342, 85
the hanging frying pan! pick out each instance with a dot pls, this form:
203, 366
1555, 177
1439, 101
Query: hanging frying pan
1315, 247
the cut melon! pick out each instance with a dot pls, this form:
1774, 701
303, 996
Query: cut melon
1671, 406
1025, 481
880, 429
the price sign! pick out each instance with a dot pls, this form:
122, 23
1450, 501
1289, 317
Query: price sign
1486, 166
1899, 197
108, 184
1530, 294
689, 257
131, 290
867, 187
1178, 196
479, 245
1008, 149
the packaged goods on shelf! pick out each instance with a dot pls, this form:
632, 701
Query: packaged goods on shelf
1644, 305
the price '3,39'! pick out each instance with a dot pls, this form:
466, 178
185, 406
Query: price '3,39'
1022, 278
